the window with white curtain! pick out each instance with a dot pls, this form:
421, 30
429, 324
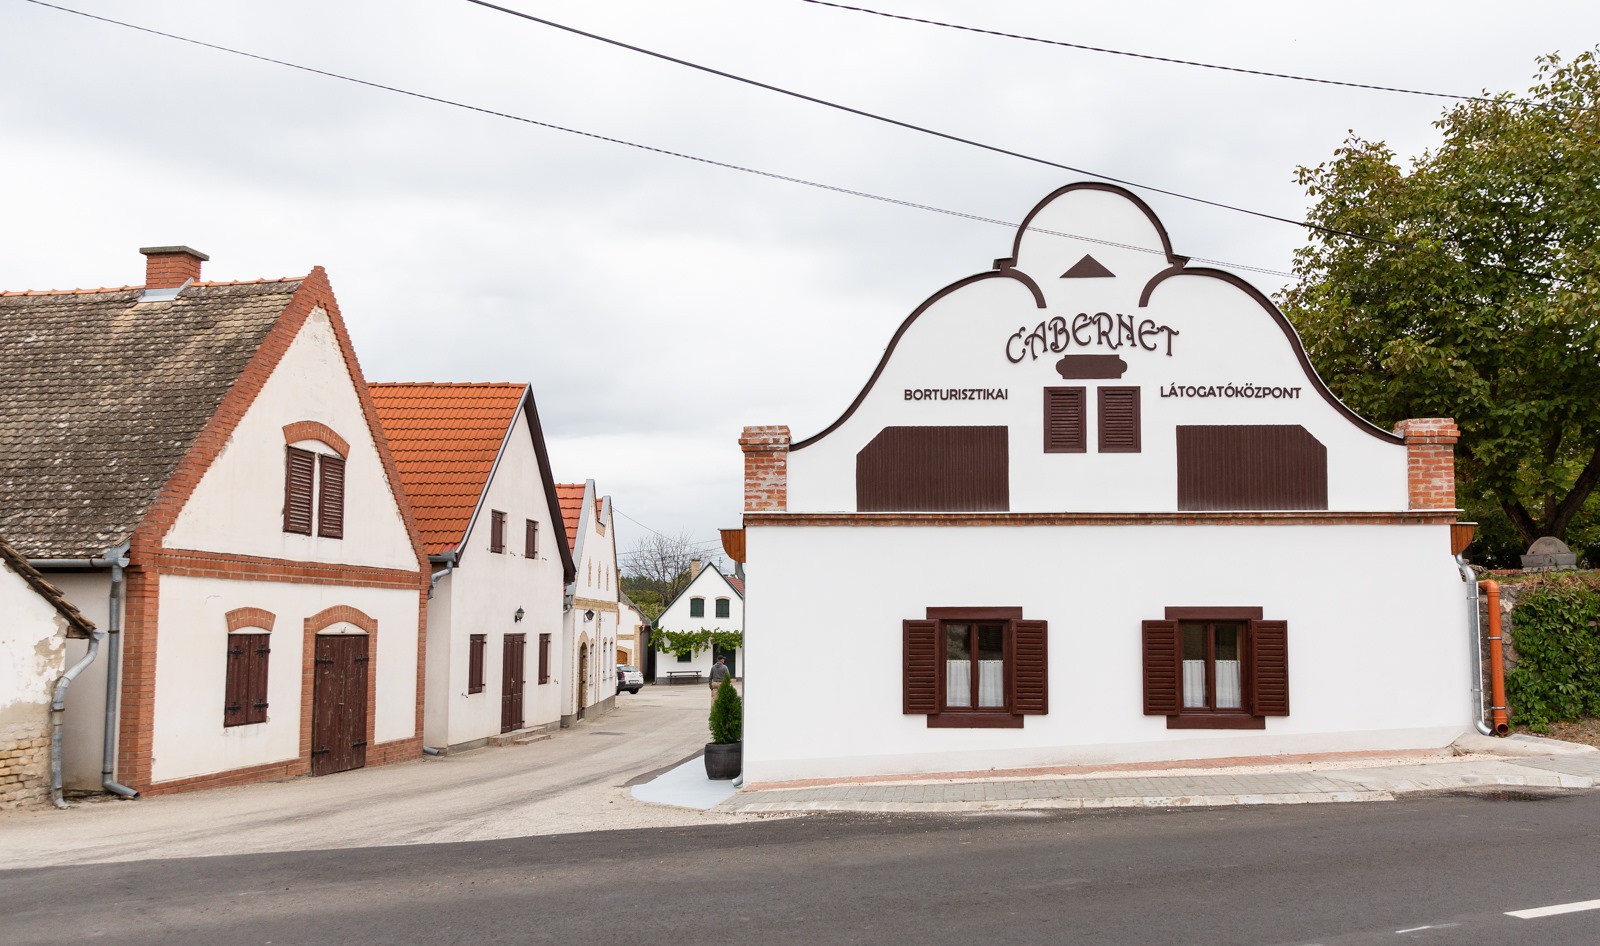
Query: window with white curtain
975, 665
1211, 670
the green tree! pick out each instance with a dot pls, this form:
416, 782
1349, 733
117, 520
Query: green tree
1483, 301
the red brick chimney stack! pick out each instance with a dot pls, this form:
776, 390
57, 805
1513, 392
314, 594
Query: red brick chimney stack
167, 267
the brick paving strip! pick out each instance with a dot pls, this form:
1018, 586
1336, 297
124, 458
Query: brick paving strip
1294, 780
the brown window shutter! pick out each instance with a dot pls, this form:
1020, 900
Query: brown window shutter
921, 666
1065, 426
1030, 672
497, 531
1161, 676
259, 647
1119, 420
544, 658
300, 471
477, 644
330, 497
1269, 668
530, 540
233, 700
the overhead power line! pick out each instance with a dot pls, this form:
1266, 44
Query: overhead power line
631, 144
1166, 59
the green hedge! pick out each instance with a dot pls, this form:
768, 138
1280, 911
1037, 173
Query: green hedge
1557, 676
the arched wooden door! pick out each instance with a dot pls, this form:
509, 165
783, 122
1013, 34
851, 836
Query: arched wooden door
583, 677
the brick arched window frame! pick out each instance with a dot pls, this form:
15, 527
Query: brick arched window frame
249, 649
321, 621
313, 482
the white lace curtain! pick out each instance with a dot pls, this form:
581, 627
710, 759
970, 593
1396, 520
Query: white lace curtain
991, 683
1229, 694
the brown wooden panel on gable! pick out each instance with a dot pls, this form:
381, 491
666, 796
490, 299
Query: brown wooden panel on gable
1119, 420
934, 469
330, 497
299, 477
1251, 467
1065, 420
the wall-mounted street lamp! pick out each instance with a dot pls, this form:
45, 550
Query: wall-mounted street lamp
517, 618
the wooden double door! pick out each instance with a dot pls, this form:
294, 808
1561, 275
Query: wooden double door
512, 678
339, 703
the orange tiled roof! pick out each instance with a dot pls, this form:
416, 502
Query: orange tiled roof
445, 438
571, 496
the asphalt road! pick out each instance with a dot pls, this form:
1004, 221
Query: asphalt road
1432, 870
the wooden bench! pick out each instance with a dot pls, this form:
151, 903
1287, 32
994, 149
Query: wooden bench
674, 675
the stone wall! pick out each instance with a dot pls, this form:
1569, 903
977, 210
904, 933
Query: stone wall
25, 760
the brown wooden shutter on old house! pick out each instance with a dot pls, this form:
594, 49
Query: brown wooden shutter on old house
330, 497
544, 658
1065, 424
921, 666
934, 469
530, 539
1251, 467
245, 684
1030, 672
476, 645
1119, 420
1162, 696
497, 531
300, 473
1269, 668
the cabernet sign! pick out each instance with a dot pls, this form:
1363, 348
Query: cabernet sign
1100, 330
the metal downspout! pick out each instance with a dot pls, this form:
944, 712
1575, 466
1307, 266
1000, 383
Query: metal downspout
108, 757
1476, 627
58, 708
449, 559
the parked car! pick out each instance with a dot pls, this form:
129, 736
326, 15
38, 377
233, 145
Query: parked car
629, 678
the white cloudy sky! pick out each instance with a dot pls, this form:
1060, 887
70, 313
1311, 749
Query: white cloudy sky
658, 305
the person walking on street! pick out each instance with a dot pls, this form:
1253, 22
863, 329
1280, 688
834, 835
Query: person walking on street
719, 670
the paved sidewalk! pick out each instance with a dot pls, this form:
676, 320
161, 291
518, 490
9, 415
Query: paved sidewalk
1476, 763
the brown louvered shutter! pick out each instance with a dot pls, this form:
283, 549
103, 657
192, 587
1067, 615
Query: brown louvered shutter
921, 666
497, 531
1269, 668
259, 649
530, 540
544, 658
1065, 427
1030, 672
300, 472
1119, 420
1161, 692
233, 700
330, 497
477, 644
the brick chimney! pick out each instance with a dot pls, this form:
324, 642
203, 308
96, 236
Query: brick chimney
1430, 461
766, 468
168, 267
694, 568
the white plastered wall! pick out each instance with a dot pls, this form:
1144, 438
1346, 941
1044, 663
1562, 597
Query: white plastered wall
710, 585
33, 650
1379, 662
191, 661
237, 507
1224, 337
595, 589
482, 595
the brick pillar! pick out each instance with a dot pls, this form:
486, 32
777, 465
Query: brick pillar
167, 267
766, 468
1430, 461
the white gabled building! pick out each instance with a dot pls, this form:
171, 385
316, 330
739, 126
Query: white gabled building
593, 596
710, 601
1109, 513
473, 462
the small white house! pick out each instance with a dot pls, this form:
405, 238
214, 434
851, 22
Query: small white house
631, 625
35, 622
711, 601
473, 462
1094, 505
593, 603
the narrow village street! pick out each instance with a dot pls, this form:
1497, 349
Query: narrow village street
575, 781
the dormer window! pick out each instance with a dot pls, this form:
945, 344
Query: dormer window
313, 493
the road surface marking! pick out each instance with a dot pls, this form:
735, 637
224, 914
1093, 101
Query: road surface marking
1431, 926
1559, 908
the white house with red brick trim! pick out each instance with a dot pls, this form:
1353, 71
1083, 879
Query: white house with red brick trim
222, 444
593, 602
1109, 513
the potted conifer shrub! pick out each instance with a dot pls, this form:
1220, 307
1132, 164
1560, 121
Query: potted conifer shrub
725, 751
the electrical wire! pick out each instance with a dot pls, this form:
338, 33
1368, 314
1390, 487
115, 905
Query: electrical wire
631, 144
1177, 62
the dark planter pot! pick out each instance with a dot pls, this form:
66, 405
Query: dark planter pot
724, 759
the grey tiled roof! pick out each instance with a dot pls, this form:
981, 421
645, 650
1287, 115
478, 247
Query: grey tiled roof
103, 397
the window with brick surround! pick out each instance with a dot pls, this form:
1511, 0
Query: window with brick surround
975, 667
1216, 668
477, 645
697, 607
245, 686
530, 539
313, 493
497, 531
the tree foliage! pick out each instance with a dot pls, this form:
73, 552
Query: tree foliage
1483, 301
659, 568
688, 643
